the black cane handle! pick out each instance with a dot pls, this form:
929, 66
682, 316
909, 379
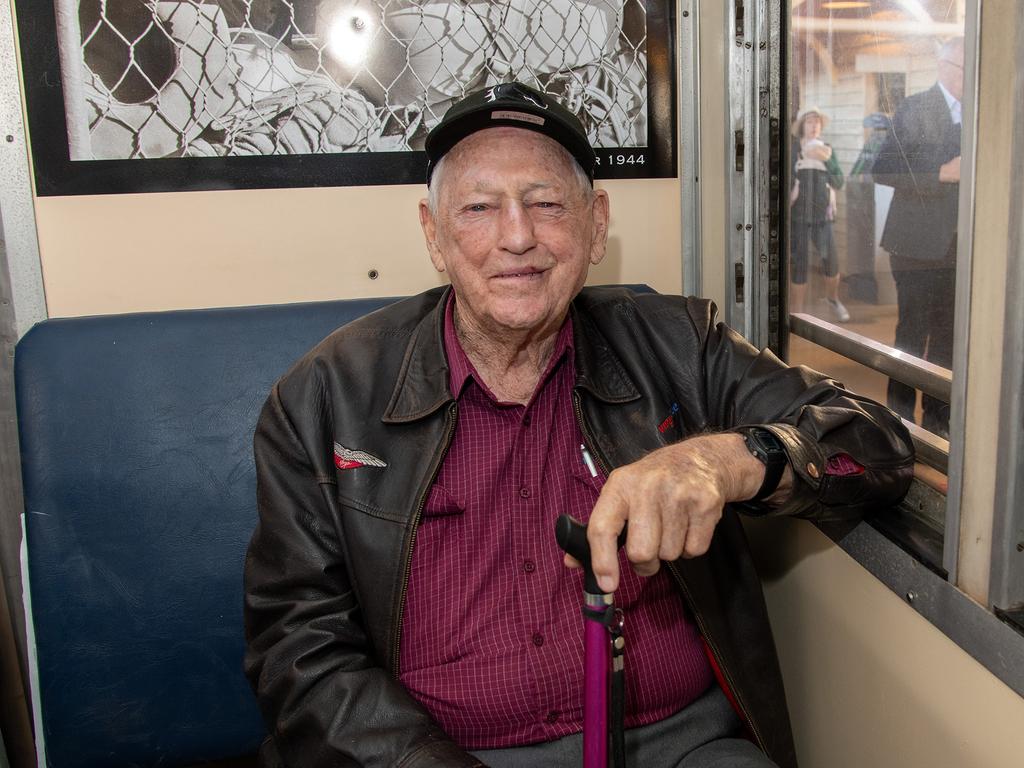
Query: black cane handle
571, 536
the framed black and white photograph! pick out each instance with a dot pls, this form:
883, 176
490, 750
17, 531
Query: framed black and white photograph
165, 95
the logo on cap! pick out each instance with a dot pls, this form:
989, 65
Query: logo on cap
506, 90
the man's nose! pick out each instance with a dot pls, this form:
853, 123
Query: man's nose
516, 235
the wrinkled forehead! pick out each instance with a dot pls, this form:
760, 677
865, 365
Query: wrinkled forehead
488, 155
494, 145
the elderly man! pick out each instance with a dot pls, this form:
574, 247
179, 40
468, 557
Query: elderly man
406, 603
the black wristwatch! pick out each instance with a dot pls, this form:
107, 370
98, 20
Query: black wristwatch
763, 444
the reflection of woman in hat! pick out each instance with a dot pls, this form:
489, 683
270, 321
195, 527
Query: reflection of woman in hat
817, 176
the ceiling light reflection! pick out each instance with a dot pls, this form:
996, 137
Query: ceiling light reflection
349, 37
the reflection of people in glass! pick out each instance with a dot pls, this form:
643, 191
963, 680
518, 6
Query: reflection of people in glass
921, 161
817, 176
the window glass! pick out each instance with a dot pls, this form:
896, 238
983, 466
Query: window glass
875, 89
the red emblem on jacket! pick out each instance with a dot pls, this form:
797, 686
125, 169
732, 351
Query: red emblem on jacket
346, 458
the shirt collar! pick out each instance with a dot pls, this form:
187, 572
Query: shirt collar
461, 369
955, 110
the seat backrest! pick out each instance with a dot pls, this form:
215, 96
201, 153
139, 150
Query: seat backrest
136, 439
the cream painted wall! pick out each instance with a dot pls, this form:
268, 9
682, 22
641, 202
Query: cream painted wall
126, 253
870, 682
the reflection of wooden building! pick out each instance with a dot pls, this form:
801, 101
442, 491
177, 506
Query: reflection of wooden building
855, 60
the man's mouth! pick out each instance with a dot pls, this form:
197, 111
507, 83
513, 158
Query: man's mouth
526, 273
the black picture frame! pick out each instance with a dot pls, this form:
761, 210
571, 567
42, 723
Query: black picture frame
57, 174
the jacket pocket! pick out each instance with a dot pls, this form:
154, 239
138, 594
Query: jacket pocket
369, 508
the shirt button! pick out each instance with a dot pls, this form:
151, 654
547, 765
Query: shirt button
526, 420
551, 718
538, 639
524, 492
529, 566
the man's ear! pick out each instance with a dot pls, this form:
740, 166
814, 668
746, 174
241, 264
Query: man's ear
430, 235
600, 212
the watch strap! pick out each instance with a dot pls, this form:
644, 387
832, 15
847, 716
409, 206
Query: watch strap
767, 448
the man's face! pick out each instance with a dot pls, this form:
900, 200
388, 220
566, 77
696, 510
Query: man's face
514, 230
951, 71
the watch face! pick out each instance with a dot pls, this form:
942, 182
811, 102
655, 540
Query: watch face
765, 441
763, 444
756, 446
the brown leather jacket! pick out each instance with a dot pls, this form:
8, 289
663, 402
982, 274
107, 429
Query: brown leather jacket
327, 569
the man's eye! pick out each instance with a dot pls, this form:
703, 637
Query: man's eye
476, 207
546, 204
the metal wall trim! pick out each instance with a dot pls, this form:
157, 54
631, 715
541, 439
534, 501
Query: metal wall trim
754, 119
689, 145
22, 305
16, 203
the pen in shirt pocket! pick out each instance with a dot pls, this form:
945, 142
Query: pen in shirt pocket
587, 461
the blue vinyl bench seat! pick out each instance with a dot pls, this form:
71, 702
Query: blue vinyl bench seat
136, 449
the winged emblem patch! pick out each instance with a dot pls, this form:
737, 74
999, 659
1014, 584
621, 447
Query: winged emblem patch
346, 458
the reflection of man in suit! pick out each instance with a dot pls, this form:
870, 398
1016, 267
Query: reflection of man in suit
921, 160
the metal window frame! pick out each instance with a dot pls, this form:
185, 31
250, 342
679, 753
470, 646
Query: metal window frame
1006, 583
753, 234
962, 302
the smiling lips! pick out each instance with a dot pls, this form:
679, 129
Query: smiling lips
527, 273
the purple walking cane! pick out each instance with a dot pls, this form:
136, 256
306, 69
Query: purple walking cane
603, 672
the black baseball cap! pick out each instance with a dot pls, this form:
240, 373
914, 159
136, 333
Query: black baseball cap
514, 104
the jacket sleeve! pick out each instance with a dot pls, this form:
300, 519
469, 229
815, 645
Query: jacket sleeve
848, 453
907, 161
326, 700
835, 172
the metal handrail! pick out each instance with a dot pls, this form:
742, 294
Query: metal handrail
929, 448
912, 371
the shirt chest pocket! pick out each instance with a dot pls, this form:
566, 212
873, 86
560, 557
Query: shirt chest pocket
442, 502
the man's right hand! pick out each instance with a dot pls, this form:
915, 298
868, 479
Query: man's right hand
950, 172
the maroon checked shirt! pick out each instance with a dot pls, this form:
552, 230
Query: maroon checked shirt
492, 636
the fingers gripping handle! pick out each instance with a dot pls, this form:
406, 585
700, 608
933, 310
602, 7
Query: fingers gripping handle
571, 536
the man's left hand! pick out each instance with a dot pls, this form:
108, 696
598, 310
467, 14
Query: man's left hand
673, 499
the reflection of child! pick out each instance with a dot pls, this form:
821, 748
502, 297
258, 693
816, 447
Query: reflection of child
817, 176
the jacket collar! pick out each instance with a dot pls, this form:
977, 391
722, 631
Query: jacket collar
422, 384
598, 368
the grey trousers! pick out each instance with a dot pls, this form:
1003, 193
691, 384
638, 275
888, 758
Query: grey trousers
703, 735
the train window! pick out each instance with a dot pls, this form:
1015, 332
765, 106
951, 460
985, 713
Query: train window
875, 99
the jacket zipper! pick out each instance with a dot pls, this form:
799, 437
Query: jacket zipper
415, 522
679, 580
587, 441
